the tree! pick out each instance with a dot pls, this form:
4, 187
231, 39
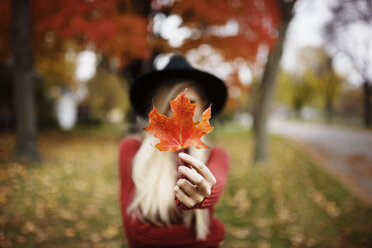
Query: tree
111, 27
260, 24
4, 30
119, 29
330, 90
349, 33
253, 24
26, 132
267, 87
295, 91
103, 98
319, 72
314, 83
256, 24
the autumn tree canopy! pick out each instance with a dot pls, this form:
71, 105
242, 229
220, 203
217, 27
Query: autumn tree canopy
110, 28
123, 31
256, 23
117, 30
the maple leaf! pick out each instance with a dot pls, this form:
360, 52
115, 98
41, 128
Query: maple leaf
180, 131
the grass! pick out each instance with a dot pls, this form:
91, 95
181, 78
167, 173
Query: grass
70, 200
288, 201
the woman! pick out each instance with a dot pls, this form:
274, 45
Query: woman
164, 204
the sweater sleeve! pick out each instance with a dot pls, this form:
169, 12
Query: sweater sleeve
218, 163
127, 150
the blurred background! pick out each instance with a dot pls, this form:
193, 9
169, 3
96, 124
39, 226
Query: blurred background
297, 123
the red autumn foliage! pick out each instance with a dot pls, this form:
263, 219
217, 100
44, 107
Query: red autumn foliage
180, 131
257, 21
115, 28
4, 29
112, 28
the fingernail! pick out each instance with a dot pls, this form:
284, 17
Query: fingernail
181, 155
181, 168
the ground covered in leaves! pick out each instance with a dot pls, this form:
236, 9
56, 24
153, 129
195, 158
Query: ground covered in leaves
71, 199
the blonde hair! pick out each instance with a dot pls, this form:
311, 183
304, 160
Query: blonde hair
154, 175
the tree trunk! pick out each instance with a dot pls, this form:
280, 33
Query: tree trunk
367, 89
329, 110
267, 87
26, 132
298, 112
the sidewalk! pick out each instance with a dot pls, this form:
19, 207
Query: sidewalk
345, 153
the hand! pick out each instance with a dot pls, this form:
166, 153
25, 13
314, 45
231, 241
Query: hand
197, 184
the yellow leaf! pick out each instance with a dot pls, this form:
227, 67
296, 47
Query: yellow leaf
69, 233
29, 227
110, 232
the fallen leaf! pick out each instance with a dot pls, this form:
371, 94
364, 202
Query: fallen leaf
29, 227
21, 239
110, 232
239, 232
264, 244
69, 233
95, 237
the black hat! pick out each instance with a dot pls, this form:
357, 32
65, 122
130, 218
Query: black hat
144, 87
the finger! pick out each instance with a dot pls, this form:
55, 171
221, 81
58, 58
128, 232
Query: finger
183, 198
190, 190
199, 167
180, 161
192, 175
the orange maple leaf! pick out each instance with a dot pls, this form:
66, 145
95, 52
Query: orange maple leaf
180, 131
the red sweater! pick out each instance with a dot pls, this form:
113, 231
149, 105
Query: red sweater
177, 235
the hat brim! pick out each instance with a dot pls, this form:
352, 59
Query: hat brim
144, 87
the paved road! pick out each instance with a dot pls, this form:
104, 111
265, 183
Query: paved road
346, 152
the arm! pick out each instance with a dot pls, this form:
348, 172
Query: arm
127, 150
203, 186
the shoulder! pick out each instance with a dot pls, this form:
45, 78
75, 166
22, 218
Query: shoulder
219, 155
129, 146
219, 151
